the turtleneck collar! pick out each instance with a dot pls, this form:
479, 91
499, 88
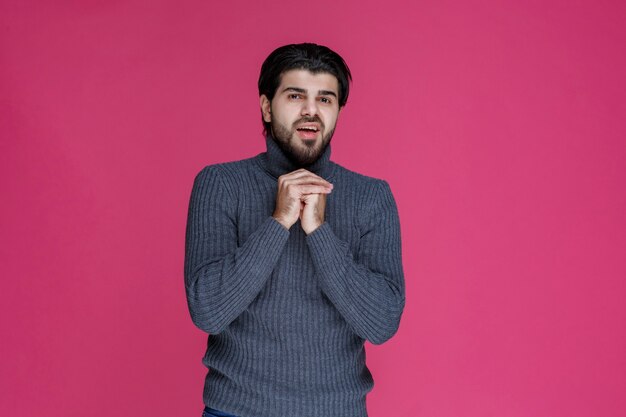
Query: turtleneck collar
276, 163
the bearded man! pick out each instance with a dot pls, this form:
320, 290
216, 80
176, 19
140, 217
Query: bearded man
292, 261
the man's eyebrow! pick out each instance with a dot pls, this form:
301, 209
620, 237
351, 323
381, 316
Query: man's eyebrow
296, 89
327, 93
303, 91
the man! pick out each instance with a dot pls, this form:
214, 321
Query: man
291, 260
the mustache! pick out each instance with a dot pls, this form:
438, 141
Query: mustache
314, 119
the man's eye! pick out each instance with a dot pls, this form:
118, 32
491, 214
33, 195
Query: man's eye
294, 96
325, 100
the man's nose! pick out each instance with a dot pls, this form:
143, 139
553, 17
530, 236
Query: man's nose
309, 107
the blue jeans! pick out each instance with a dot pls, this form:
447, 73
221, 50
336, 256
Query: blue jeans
211, 412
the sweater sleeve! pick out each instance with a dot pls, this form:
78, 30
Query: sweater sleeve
223, 277
367, 288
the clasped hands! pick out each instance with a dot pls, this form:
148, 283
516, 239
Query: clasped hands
301, 195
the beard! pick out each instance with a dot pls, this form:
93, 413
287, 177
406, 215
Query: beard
309, 152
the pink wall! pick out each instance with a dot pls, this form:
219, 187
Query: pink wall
499, 125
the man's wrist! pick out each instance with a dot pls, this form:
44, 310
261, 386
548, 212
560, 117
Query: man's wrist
281, 222
314, 229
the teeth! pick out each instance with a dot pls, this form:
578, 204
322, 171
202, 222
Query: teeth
308, 128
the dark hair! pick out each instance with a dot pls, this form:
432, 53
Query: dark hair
308, 56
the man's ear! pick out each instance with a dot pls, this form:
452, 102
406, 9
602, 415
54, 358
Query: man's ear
266, 110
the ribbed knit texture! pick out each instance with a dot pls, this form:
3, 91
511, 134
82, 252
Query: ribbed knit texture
288, 313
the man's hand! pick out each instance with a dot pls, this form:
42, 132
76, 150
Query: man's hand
312, 215
301, 194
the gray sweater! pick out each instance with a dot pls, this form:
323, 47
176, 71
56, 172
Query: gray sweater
288, 313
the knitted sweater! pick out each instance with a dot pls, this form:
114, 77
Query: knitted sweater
288, 313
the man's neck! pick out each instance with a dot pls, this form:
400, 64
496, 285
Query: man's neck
277, 163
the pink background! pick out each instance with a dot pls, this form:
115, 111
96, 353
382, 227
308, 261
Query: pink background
499, 126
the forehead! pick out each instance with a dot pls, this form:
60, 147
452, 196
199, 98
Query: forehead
307, 80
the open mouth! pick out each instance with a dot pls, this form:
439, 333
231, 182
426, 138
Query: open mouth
307, 132
308, 129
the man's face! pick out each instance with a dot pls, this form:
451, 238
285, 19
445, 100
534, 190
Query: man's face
303, 114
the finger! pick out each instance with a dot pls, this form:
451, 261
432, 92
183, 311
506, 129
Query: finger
300, 173
313, 189
312, 180
314, 197
295, 174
